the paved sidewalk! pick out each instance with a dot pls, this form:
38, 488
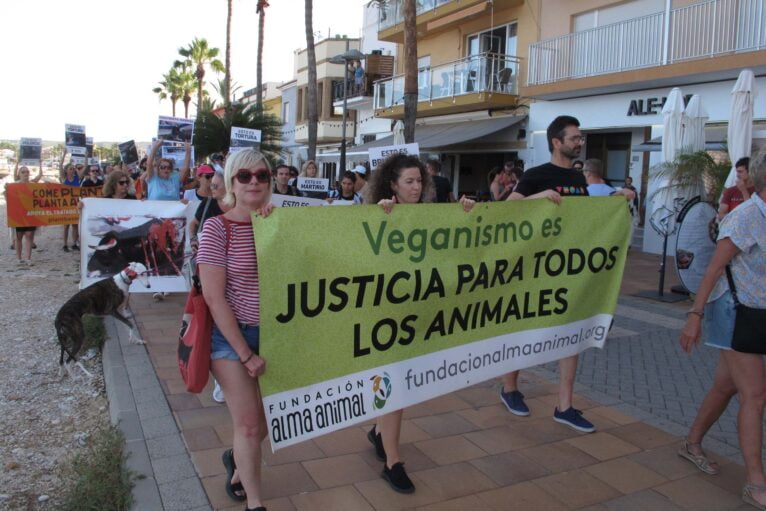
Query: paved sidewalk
463, 450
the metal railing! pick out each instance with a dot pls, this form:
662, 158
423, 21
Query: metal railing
487, 72
391, 14
696, 31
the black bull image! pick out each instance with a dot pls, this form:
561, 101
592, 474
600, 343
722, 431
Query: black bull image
155, 243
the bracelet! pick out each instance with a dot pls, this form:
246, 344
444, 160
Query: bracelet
698, 313
252, 354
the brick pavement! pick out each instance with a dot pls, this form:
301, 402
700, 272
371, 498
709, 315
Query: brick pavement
464, 450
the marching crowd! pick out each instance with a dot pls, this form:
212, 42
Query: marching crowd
230, 189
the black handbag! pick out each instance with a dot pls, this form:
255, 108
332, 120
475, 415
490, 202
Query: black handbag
749, 325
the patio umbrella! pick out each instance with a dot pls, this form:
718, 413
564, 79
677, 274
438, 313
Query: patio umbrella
740, 132
663, 207
399, 133
694, 121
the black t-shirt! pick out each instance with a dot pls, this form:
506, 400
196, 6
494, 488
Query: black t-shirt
290, 191
567, 182
213, 210
128, 196
88, 183
442, 187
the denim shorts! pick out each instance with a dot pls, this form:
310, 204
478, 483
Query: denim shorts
221, 349
718, 323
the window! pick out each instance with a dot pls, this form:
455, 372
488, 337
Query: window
499, 40
301, 102
286, 111
615, 14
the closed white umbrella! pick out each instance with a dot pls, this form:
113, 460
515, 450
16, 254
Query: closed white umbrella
740, 132
694, 121
663, 207
399, 133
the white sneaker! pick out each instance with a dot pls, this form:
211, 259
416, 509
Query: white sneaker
218, 396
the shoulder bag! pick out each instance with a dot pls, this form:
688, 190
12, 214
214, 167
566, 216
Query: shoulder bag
194, 339
749, 325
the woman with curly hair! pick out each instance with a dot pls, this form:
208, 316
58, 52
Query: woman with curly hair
400, 179
117, 185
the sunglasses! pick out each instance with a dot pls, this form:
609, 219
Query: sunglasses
205, 176
214, 187
122, 182
165, 167
245, 176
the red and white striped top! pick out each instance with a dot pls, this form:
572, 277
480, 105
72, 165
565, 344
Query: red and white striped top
242, 290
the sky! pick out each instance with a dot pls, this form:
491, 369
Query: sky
95, 62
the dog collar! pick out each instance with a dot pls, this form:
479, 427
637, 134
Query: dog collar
124, 277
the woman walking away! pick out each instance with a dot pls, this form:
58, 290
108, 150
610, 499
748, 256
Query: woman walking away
25, 233
229, 274
400, 179
741, 249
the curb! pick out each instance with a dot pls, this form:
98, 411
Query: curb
153, 444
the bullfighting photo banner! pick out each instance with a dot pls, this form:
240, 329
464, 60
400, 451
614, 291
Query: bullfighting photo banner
40, 204
425, 300
117, 232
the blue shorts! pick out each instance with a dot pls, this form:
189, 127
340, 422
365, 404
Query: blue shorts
718, 323
221, 349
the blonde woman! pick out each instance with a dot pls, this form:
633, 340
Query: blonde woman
228, 270
310, 169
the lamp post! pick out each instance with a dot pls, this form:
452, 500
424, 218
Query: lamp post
345, 58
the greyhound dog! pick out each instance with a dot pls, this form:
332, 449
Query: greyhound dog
106, 297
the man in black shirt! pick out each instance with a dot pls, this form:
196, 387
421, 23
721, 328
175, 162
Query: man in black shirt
282, 180
93, 179
552, 181
441, 184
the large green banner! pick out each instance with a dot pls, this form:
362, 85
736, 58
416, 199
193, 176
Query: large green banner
364, 313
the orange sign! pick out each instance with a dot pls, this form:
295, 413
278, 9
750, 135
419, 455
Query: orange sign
36, 204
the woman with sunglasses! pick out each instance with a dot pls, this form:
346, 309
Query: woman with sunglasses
165, 183
228, 271
117, 186
201, 185
21, 175
93, 179
400, 179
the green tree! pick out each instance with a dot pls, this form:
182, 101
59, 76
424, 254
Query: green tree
187, 85
212, 134
196, 56
694, 172
169, 88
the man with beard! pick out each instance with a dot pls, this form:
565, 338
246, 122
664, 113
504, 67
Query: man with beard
553, 181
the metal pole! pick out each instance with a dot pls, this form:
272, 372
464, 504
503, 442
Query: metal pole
666, 34
662, 265
342, 166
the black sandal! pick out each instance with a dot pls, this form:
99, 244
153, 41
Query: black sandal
234, 490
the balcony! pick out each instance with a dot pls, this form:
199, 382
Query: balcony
710, 29
391, 13
376, 67
477, 82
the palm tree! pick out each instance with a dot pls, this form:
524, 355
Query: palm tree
220, 87
261, 10
212, 134
410, 71
187, 85
196, 56
227, 76
168, 88
693, 173
313, 116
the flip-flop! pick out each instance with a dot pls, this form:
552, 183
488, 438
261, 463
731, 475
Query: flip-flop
235, 491
701, 461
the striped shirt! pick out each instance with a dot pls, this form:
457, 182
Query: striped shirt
242, 291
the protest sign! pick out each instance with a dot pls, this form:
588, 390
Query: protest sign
129, 153
30, 151
93, 161
242, 138
38, 204
313, 184
117, 232
175, 129
78, 160
429, 299
176, 153
378, 154
89, 147
74, 139
290, 201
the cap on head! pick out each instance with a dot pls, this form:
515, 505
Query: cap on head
360, 169
205, 169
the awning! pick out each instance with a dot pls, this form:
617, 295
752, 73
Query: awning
714, 141
433, 137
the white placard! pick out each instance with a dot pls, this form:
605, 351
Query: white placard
290, 201
378, 154
177, 153
78, 160
116, 232
313, 184
74, 137
175, 129
31, 151
77, 151
242, 138
93, 161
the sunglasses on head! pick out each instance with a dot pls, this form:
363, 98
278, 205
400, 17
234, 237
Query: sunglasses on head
245, 176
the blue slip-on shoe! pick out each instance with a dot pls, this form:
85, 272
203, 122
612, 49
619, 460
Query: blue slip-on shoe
514, 401
574, 419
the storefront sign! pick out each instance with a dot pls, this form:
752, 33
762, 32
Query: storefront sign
650, 106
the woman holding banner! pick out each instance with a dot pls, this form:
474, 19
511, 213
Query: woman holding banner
21, 175
228, 270
400, 179
311, 170
165, 184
